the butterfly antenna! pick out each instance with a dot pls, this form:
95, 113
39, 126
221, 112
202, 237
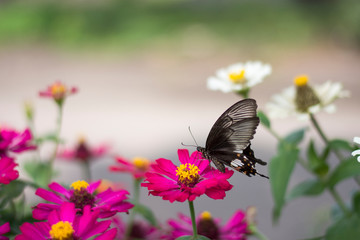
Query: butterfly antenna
193, 136
262, 175
186, 145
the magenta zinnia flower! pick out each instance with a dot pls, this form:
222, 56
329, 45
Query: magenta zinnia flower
64, 223
193, 178
5, 228
137, 167
13, 141
108, 202
234, 229
83, 152
58, 91
7, 170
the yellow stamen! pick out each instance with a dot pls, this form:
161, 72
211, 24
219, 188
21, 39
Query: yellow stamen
188, 173
79, 185
61, 231
58, 89
206, 215
301, 80
237, 77
141, 163
81, 139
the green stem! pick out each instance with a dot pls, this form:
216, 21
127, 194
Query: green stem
254, 231
323, 136
339, 201
326, 140
87, 170
132, 212
57, 139
192, 214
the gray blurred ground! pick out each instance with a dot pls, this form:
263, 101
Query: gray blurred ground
142, 104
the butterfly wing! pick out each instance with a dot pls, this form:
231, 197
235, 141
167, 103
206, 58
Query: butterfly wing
232, 131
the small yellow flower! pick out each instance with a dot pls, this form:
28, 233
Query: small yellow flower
206, 215
79, 185
62, 231
188, 173
141, 163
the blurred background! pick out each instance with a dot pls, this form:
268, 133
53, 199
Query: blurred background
141, 69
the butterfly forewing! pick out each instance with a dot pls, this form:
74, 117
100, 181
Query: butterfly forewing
228, 142
234, 128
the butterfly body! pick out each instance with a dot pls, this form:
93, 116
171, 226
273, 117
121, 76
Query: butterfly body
228, 142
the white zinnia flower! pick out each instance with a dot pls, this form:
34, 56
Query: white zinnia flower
322, 97
239, 76
356, 152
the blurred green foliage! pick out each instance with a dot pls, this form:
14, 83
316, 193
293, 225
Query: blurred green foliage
133, 23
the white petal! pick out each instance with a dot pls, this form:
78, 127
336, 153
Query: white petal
356, 152
357, 140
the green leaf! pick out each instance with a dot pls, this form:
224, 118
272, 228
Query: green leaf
280, 169
346, 169
356, 203
295, 137
146, 213
264, 119
11, 191
339, 144
310, 187
346, 228
49, 137
317, 163
39, 172
199, 237
314, 238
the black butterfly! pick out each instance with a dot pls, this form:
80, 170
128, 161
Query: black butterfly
228, 142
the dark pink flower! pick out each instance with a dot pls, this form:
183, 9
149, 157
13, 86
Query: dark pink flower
64, 223
83, 152
234, 229
5, 228
193, 178
13, 141
58, 91
108, 202
137, 167
140, 230
7, 170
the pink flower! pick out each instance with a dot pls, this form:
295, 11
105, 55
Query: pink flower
193, 178
7, 170
5, 228
83, 152
64, 223
13, 141
58, 91
140, 230
137, 167
108, 202
234, 229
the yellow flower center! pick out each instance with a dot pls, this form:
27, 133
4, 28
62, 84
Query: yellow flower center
61, 231
237, 77
301, 80
79, 185
188, 173
58, 89
206, 215
141, 163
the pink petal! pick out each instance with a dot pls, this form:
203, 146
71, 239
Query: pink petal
184, 156
60, 189
48, 196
